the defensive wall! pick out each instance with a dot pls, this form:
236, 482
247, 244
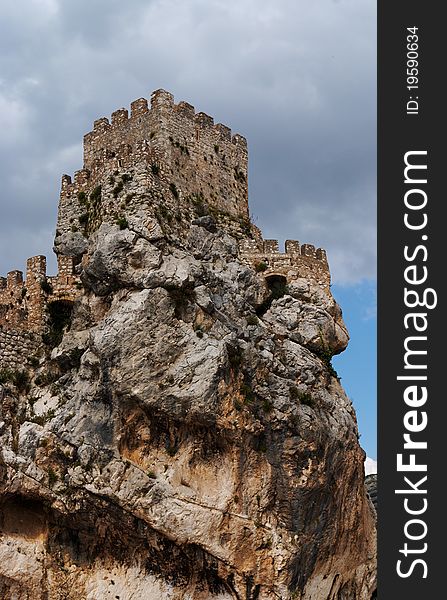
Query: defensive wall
298, 261
23, 302
18, 348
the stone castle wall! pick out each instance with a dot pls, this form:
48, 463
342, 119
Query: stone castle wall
23, 302
168, 143
298, 261
17, 348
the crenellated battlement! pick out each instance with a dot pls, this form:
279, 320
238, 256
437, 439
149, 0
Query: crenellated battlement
298, 261
24, 302
144, 122
171, 147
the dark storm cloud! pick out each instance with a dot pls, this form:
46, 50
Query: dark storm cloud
296, 77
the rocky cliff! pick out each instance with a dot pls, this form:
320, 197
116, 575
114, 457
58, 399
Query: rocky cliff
182, 434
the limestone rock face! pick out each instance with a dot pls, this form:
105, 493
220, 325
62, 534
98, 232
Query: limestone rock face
70, 244
187, 438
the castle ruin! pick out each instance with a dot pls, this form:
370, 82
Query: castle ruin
163, 166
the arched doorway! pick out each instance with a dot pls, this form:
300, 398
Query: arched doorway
59, 320
277, 285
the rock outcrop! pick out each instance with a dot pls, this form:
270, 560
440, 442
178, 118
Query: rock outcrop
371, 487
183, 435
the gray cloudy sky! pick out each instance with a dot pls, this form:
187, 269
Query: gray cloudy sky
296, 77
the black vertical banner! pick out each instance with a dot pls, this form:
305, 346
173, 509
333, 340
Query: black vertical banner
412, 344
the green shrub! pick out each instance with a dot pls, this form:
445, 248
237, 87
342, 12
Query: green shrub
325, 355
122, 222
52, 476
18, 378
267, 405
252, 320
278, 291
82, 198
95, 196
247, 393
45, 378
260, 267
33, 361
303, 397
126, 177
164, 213
5, 376
307, 399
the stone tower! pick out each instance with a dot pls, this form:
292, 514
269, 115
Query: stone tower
180, 160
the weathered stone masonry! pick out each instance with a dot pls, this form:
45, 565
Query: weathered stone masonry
298, 261
18, 348
24, 303
188, 152
158, 162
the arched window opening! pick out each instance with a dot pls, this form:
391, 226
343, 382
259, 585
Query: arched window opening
277, 284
